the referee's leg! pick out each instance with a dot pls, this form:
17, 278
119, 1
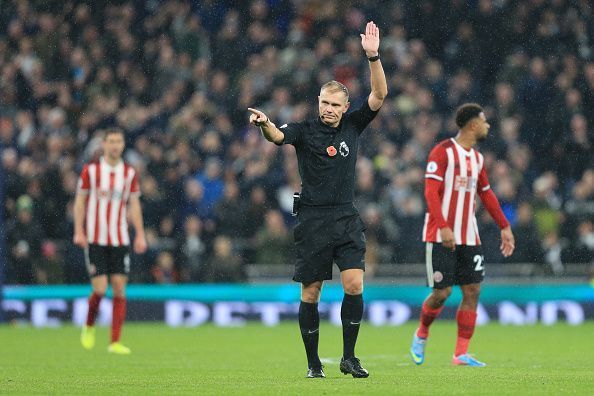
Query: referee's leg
309, 324
351, 314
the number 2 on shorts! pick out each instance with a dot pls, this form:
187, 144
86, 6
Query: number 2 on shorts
478, 259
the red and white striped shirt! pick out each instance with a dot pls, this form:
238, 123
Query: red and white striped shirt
461, 175
108, 189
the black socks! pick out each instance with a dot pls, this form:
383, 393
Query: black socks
309, 323
351, 314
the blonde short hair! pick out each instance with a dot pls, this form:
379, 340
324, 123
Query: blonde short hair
335, 86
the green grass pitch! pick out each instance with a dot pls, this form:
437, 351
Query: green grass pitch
255, 359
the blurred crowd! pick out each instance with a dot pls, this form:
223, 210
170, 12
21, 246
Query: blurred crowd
177, 76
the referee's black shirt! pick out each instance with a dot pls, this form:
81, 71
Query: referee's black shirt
327, 156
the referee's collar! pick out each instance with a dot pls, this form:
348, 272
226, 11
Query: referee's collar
333, 129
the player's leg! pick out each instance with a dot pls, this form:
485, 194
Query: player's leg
440, 265
120, 262
431, 308
95, 262
309, 324
470, 274
466, 319
118, 285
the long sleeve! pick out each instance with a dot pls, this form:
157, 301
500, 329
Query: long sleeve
433, 200
490, 201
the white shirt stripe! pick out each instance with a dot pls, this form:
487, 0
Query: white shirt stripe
449, 182
475, 228
116, 199
103, 202
481, 162
92, 203
461, 195
470, 234
460, 170
103, 194
123, 222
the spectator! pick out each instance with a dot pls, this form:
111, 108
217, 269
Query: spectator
546, 205
163, 270
228, 212
529, 249
254, 211
152, 202
553, 247
49, 268
178, 78
273, 244
224, 265
581, 250
191, 250
212, 185
24, 238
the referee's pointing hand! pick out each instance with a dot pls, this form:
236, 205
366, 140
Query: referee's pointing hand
257, 117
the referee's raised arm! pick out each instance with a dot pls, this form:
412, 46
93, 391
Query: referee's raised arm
379, 88
269, 130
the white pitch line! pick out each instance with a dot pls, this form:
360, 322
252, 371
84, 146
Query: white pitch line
370, 357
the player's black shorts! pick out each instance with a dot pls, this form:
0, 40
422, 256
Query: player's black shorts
445, 267
327, 235
106, 260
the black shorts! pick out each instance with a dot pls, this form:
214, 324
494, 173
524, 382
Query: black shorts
446, 268
106, 260
324, 236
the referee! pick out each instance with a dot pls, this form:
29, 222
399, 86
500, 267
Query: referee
329, 228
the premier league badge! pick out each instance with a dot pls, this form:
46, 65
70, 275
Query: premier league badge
344, 149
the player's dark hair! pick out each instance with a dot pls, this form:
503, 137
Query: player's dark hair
114, 130
467, 112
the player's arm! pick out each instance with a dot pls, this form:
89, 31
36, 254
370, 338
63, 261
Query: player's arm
135, 215
491, 203
269, 130
79, 209
437, 164
379, 88
433, 199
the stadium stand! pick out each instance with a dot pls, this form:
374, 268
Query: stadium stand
178, 76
